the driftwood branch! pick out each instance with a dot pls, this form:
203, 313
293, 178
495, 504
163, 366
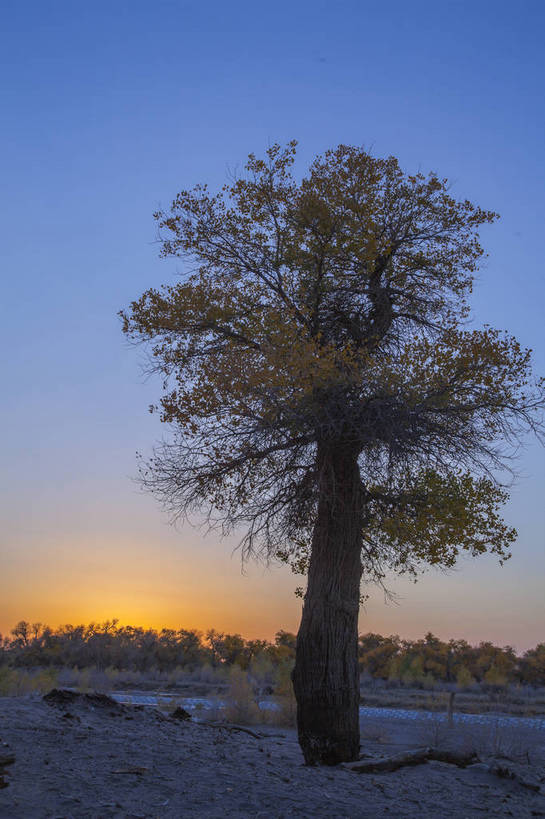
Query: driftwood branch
417, 757
230, 727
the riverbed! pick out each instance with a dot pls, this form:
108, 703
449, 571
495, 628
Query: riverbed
201, 705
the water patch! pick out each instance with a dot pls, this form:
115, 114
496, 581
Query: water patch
196, 704
458, 718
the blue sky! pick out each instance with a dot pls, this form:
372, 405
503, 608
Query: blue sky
108, 110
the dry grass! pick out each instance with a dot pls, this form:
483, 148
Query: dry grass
499, 742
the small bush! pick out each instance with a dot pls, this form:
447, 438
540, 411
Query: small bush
17, 683
495, 678
45, 680
84, 679
286, 713
262, 672
241, 705
8, 678
464, 678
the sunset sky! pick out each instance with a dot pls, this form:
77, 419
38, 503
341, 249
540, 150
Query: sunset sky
109, 109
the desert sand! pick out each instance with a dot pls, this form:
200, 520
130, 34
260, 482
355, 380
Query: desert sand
95, 758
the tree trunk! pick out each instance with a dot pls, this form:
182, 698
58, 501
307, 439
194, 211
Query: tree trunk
325, 677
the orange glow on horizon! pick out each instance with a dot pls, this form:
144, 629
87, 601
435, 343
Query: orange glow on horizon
192, 584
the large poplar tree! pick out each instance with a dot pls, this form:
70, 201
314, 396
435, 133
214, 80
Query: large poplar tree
326, 395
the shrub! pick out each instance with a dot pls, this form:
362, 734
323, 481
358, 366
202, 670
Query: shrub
241, 705
262, 672
286, 712
464, 678
495, 678
8, 679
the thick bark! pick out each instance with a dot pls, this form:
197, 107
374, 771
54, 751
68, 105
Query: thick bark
325, 677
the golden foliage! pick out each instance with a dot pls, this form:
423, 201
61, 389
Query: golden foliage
333, 308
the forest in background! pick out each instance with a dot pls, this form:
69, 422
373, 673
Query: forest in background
108, 645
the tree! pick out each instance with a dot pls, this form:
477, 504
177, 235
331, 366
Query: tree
376, 654
326, 395
532, 665
22, 633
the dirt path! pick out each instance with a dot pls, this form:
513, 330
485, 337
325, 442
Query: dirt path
89, 759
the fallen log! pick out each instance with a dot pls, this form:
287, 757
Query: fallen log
459, 758
416, 757
423, 755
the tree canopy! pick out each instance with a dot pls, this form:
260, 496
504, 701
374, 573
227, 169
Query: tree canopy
334, 307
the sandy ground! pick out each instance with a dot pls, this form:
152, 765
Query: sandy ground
88, 759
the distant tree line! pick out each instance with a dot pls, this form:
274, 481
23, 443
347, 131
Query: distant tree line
109, 645
431, 660
412, 662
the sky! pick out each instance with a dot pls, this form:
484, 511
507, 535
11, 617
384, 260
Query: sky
109, 109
